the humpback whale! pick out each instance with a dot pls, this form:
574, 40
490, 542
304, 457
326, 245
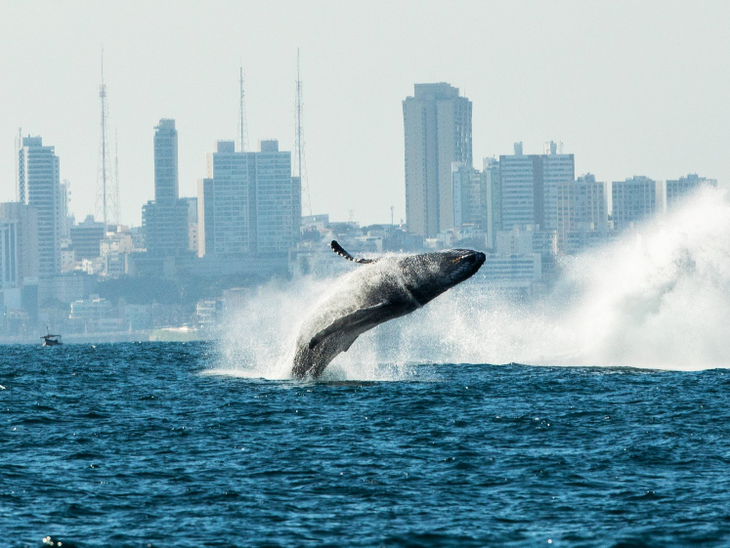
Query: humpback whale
380, 290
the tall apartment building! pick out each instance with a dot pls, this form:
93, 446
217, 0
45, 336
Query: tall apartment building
467, 184
249, 203
582, 208
18, 244
86, 238
39, 187
437, 130
492, 200
684, 186
529, 186
166, 167
165, 219
634, 200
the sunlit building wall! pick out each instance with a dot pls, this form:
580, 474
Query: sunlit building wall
437, 131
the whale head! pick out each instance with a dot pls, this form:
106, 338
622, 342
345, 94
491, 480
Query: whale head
428, 275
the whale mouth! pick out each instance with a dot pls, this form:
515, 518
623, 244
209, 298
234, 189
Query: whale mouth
467, 262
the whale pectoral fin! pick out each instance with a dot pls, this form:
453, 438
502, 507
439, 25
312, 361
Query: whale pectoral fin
337, 248
348, 344
350, 320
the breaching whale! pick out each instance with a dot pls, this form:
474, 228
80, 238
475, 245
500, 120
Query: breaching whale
380, 290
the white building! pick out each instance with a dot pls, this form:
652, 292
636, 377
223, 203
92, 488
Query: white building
115, 249
165, 219
468, 195
529, 186
39, 186
684, 186
582, 209
633, 200
437, 131
250, 203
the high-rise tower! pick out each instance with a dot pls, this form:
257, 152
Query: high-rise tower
38, 177
529, 186
250, 203
165, 219
166, 174
107, 191
437, 128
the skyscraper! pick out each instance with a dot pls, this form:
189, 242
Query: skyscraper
634, 200
165, 219
582, 214
250, 203
468, 195
437, 130
39, 187
166, 174
529, 186
492, 200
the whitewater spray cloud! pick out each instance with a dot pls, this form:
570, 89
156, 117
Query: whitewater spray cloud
658, 297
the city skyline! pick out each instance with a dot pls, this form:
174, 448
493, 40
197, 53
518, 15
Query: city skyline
633, 101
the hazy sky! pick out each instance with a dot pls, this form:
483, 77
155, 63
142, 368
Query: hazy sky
631, 88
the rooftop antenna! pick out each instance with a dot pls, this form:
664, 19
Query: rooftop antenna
300, 166
19, 184
103, 178
243, 137
115, 188
107, 191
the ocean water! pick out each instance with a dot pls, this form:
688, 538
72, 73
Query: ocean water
616, 432
138, 445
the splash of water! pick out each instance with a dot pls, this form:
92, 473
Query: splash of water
659, 297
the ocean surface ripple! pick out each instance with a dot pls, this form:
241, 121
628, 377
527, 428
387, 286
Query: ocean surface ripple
131, 445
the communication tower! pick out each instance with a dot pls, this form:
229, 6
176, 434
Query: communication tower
243, 130
300, 167
107, 193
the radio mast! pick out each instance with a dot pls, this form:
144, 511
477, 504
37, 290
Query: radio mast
107, 195
243, 133
299, 165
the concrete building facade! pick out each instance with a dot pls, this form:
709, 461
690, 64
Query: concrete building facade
633, 200
40, 188
437, 131
684, 186
529, 186
165, 219
249, 203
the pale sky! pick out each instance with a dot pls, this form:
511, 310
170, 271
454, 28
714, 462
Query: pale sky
631, 88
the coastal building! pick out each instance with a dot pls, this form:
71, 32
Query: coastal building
492, 200
437, 131
529, 186
634, 200
678, 189
582, 214
86, 237
192, 223
115, 250
250, 203
39, 187
18, 257
468, 194
165, 219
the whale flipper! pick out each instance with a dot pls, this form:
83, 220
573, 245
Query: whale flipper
337, 248
350, 320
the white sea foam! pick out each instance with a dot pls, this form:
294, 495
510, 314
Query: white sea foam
659, 298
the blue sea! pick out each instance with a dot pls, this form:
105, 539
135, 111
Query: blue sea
134, 445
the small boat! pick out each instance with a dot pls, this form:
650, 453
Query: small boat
51, 340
